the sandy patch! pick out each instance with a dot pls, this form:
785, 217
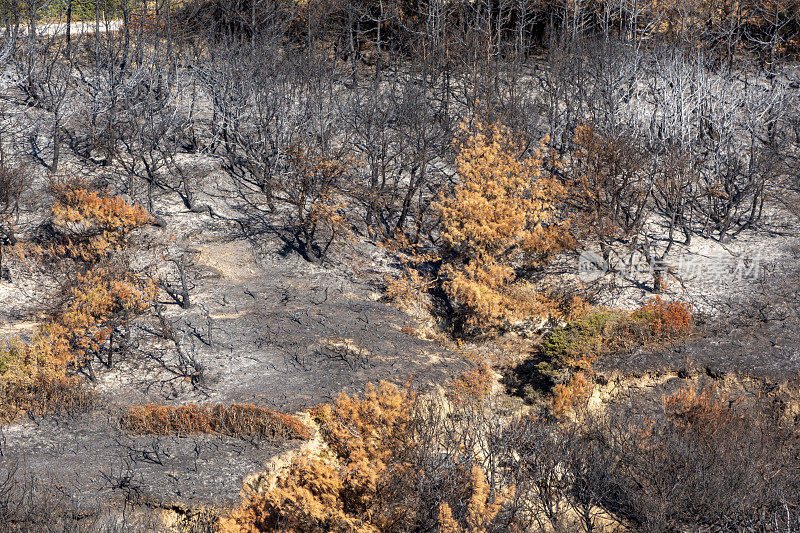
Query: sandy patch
233, 260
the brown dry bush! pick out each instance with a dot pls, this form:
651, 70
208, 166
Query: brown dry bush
606, 184
90, 227
471, 386
90, 223
241, 420
703, 461
570, 398
353, 491
502, 217
408, 291
47, 394
313, 190
482, 508
381, 471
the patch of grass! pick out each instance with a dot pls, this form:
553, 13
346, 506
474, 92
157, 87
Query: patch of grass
239, 420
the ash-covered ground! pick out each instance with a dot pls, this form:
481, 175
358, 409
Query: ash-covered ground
264, 326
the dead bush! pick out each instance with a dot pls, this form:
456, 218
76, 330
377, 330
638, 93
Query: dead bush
502, 217
90, 223
313, 190
94, 305
240, 420
46, 394
13, 182
708, 462
471, 386
354, 491
390, 466
571, 397
664, 320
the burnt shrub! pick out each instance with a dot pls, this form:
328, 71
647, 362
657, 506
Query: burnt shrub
706, 461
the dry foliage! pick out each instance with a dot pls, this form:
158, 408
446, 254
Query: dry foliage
408, 291
389, 467
46, 394
471, 386
502, 216
667, 320
92, 223
482, 506
313, 189
705, 411
102, 300
572, 397
96, 299
606, 185
349, 492
369, 477
240, 420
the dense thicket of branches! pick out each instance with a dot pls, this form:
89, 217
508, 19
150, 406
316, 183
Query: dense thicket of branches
330, 118
650, 109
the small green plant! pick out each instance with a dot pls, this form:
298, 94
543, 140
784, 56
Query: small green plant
569, 351
582, 339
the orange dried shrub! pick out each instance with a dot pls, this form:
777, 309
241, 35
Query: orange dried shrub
93, 222
313, 189
408, 291
705, 412
101, 300
44, 394
305, 498
502, 215
369, 477
245, 420
660, 321
91, 225
482, 507
471, 386
352, 490
34, 379
364, 433
572, 397
666, 318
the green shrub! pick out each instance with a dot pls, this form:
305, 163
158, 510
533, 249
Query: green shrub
582, 339
572, 348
